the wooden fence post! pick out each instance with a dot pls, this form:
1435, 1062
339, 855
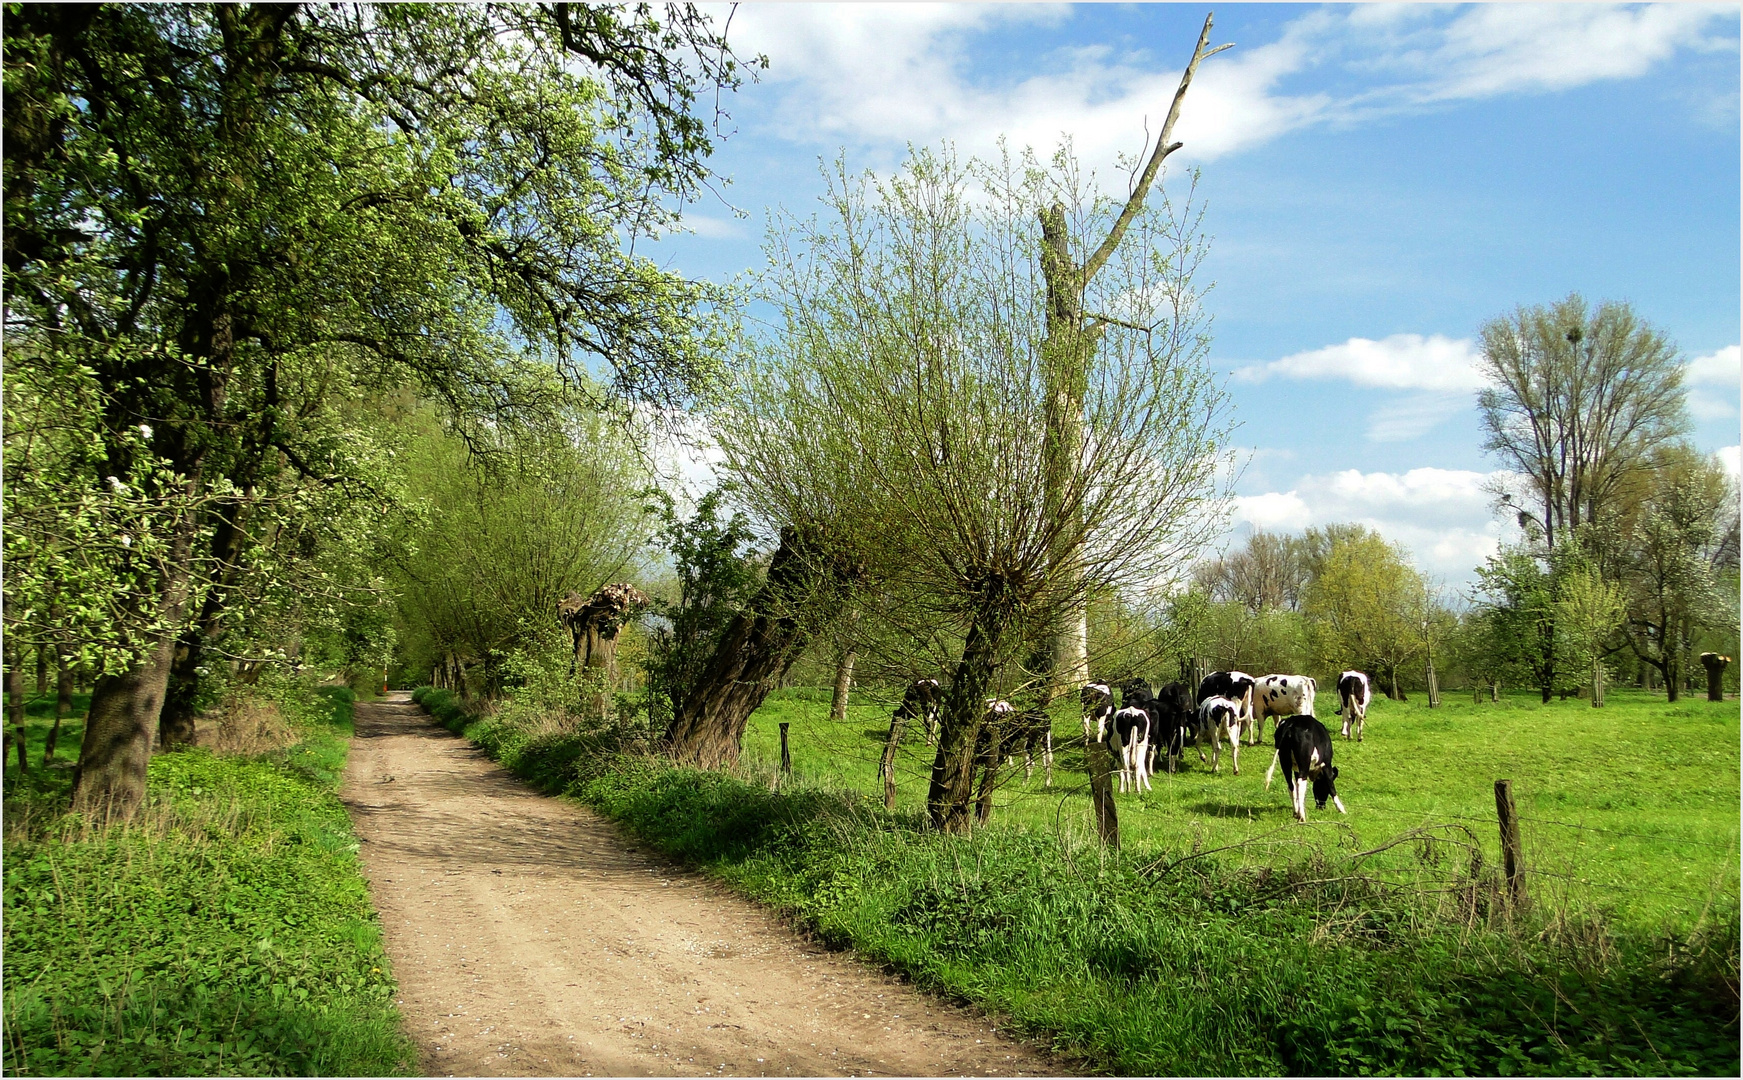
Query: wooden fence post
1101, 791
1512, 858
888, 766
786, 758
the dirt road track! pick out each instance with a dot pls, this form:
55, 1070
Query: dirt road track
531, 937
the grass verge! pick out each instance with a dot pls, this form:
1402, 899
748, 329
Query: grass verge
226, 930
1180, 961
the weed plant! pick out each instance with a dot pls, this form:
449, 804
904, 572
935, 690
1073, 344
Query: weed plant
226, 930
1180, 960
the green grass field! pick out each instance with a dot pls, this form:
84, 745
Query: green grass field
1632, 807
225, 931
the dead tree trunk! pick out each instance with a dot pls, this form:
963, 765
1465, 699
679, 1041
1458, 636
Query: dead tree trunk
1069, 351
755, 652
593, 625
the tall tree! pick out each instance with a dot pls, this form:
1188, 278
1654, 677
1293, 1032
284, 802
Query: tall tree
1364, 603
1578, 400
231, 214
902, 411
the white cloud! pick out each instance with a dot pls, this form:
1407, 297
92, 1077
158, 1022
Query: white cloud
1713, 383
712, 228
1732, 458
1442, 516
893, 74
1399, 362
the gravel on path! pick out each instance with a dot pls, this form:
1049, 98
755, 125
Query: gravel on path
531, 937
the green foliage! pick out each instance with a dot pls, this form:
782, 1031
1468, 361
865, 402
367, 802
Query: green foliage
718, 569
1177, 959
227, 930
1366, 604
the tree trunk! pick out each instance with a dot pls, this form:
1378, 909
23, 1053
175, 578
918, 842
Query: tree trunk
601, 657
125, 707
754, 654
843, 683
964, 709
15, 704
1597, 684
1433, 685
110, 780
176, 726
42, 671
1715, 665
63, 704
1393, 690
1672, 678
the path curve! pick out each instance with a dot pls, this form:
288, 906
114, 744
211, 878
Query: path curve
531, 937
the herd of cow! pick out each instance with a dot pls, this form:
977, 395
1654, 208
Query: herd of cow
1156, 726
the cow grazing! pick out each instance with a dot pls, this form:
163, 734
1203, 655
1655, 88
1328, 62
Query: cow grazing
1234, 685
1304, 750
1281, 696
1098, 709
1027, 730
1171, 719
1129, 739
920, 702
1220, 718
1354, 694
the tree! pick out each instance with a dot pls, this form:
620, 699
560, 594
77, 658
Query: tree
232, 215
1364, 604
1681, 574
1578, 401
1075, 324
1588, 612
901, 415
1268, 573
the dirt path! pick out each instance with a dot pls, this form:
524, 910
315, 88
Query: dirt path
531, 937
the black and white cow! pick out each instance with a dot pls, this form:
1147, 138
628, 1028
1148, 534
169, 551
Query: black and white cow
1281, 696
1026, 730
1129, 739
920, 702
1234, 685
1171, 721
1098, 709
1220, 718
1354, 693
1304, 749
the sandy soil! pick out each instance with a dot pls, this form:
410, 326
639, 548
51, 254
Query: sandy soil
531, 937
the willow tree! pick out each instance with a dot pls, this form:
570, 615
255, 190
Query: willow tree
902, 411
231, 216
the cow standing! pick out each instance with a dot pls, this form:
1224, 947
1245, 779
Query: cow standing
1354, 693
1098, 709
1129, 739
1171, 719
920, 702
1281, 696
1304, 750
1028, 729
1234, 685
1220, 718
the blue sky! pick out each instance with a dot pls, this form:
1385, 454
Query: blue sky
1379, 182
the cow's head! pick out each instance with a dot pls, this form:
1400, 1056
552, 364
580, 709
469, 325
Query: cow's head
1325, 786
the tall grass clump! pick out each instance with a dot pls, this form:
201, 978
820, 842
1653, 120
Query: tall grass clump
226, 929
1186, 961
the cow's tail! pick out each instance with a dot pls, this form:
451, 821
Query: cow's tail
1276, 756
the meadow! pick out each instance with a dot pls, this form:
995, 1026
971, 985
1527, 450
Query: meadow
1631, 808
227, 930
1224, 939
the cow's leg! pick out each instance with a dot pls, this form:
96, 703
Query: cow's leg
1362, 724
1144, 763
1339, 803
1300, 798
1272, 771
1235, 748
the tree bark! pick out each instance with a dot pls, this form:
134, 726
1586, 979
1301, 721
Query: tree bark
63, 704
42, 671
843, 684
952, 787
15, 704
1715, 665
887, 767
759, 646
1597, 684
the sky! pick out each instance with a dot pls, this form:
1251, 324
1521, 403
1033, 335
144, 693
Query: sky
1378, 182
